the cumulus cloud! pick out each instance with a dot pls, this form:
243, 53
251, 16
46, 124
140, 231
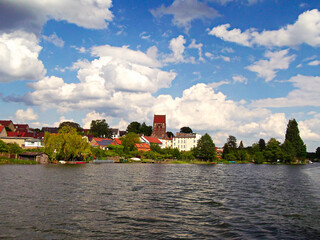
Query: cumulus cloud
277, 61
117, 79
185, 11
305, 94
19, 53
239, 79
54, 39
305, 30
31, 15
198, 46
314, 63
23, 116
177, 47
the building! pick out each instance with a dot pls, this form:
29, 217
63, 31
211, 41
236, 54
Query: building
33, 143
159, 127
41, 158
3, 132
102, 143
185, 141
8, 124
150, 140
142, 147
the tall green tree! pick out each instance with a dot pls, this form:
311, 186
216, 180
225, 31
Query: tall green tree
129, 141
206, 149
100, 128
186, 130
226, 150
318, 153
273, 151
134, 127
170, 134
67, 144
145, 129
232, 143
293, 136
262, 144
71, 124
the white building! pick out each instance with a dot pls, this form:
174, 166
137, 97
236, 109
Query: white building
33, 143
185, 141
166, 143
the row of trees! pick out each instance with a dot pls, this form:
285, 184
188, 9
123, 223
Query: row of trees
292, 149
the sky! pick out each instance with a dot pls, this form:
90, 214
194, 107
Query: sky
224, 67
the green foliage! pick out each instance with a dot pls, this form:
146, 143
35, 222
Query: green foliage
67, 144
230, 157
226, 151
129, 141
13, 148
155, 147
186, 130
232, 143
318, 153
240, 145
100, 128
273, 151
170, 134
16, 161
288, 152
262, 144
145, 130
293, 136
3, 146
72, 125
187, 155
138, 128
205, 150
258, 157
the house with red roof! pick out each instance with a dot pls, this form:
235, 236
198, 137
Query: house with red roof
102, 143
150, 140
8, 124
3, 132
144, 147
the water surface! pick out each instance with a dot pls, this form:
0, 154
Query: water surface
159, 201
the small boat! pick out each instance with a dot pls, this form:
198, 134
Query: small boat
62, 162
135, 159
80, 162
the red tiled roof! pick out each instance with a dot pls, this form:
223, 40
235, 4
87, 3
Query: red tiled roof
13, 134
159, 119
142, 146
1, 128
153, 140
118, 141
5, 122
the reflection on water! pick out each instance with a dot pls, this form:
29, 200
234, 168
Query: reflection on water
141, 201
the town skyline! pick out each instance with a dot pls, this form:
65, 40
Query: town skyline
225, 67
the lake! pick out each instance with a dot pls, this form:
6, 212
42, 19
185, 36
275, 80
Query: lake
160, 201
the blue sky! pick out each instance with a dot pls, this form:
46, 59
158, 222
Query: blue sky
225, 67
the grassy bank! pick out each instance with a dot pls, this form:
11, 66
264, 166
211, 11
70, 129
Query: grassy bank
16, 161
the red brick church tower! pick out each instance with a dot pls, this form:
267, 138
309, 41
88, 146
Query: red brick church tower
159, 127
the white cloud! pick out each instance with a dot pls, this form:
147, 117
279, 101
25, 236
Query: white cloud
310, 129
19, 53
185, 11
314, 63
198, 46
177, 47
54, 39
31, 15
305, 30
23, 116
211, 56
305, 94
118, 79
218, 84
267, 68
239, 79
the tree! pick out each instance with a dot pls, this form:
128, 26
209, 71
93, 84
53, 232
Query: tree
14, 148
3, 146
186, 130
67, 144
293, 136
288, 152
100, 128
232, 143
240, 145
134, 127
226, 150
206, 149
145, 130
129, 141
71, 124
170, 134
262, 144
273, 151
318, 153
